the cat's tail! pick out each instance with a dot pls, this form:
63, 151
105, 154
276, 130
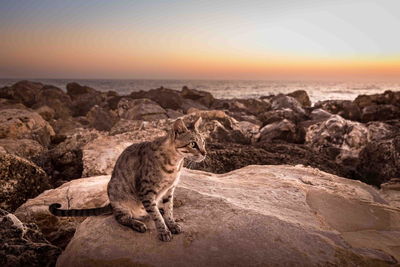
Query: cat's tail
55, 210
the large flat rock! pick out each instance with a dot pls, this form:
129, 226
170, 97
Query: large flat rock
254, 216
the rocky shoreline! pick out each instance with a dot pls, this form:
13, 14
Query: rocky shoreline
49, 137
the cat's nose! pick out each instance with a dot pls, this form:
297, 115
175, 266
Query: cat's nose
204, 153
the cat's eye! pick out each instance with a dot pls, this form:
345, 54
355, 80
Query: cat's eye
192, 144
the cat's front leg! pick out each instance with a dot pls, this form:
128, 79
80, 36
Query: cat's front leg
149, 203
168, 201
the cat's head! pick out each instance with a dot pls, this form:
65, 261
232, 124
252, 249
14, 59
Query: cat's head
189, 143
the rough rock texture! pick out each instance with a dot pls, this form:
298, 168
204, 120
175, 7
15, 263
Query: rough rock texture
56, 99
83, 98
101, 119
338, 138
345, 108
255, 216
23, 91
166, 98
283, 130
25, 148
302, 97
66, 157
226, 157
204, 98
20, 179
380, 113
59, 230
380, 161
282, 101
24, 244
140, 109
25, 124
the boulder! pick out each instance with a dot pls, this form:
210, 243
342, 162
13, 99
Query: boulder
24, 91
320, 114
247, 106
11, 104
271, 215
101, 119
56, 99
166, 98
20, 179
66, 126
345, 108
23, 244
380, 161
379, 130
388, 97
25, 124
203, 97
380, 113
46, 112
226, 157
25, 148
279, 115
83, 98
140, 109
338, 138
282, 102
90, 192
66, 157
173, 114
283, 130
302, 97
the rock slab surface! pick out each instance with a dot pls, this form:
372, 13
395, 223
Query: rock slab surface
254, 216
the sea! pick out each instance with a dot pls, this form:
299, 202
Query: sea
317, 90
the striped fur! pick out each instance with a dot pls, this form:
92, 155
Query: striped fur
144, 180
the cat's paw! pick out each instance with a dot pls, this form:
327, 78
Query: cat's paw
165, 235
175, 229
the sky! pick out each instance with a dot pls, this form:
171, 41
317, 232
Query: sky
154, 39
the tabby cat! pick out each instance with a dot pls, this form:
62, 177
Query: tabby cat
144, 178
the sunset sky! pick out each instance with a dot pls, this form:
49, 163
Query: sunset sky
299, 39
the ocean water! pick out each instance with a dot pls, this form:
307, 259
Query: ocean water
317, 90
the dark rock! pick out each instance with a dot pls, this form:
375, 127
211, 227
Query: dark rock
24, 91
302, 97
320, 115
101, 119
25, 124
283, 130
387, 98
20, 179
23, 244
66, 157
25, 148
279, 115
46, 112
56, 99
173, 114
83, 98
11, 104
380, 161
66, 126
282, 102
380, 113
166, 98
345, 108
339, 139
247, 106
226, 157
379, 130
140, 109
204, 98
188, 105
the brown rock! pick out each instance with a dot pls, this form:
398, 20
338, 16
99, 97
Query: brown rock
140, 109
380, 113
101, 119
203, 97
24, 91
24, 124
20, 179
56, 99
83, 98
22, 244
345, 108
302, 97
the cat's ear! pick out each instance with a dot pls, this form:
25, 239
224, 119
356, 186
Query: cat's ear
179, 127
197, 124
